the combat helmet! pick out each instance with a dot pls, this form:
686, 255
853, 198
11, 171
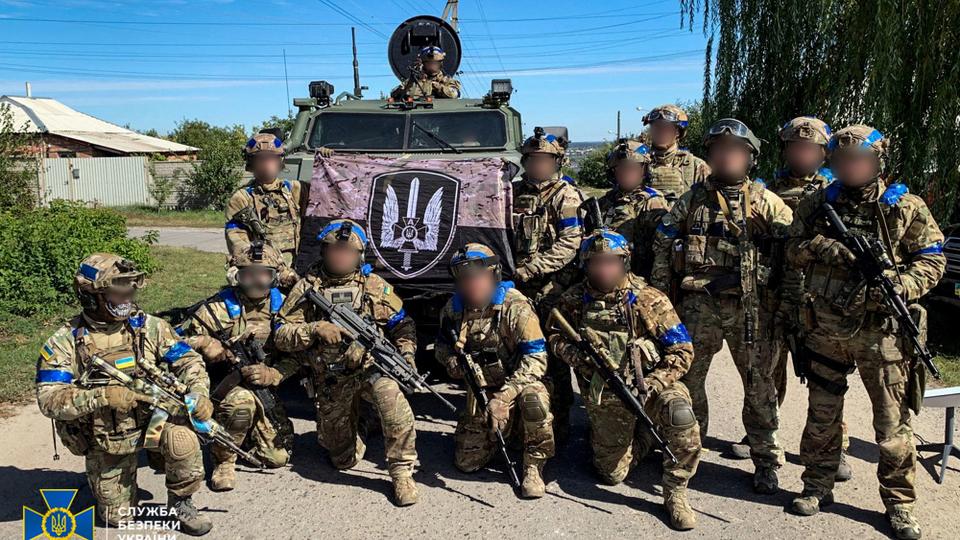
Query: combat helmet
806, 128
101, 273
344, 230
731, 127
431, 53
473, 257
862, 137
255, 254
544, 143
263, 143
628, 150
671, 113
603, 241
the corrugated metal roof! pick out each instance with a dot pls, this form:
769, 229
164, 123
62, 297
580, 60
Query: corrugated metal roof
47, 115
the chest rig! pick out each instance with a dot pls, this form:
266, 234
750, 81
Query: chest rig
479, 333
346, 358
532, 229
673, 175
793, 190
279, 213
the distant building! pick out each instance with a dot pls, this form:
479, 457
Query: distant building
67, 133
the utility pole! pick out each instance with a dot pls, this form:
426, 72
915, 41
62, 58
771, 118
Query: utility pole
450, 14
618, 125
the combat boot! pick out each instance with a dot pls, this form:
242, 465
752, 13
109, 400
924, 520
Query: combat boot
532, 486
765, 480
682, 516
405, 492
904, 526
224, 477
740, 450
844, 472
808, 503
192, 522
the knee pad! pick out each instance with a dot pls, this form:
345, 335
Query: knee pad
240, 420
180, 443
532, 408
680, 414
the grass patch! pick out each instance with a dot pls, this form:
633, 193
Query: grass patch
185, 276
145, 216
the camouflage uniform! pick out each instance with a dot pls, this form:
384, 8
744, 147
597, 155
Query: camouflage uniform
277, 204
698, 243
547, 231
674, 170
436, 85
507, 342
634, 214
342, 374
637, 328
848, 330
109, 438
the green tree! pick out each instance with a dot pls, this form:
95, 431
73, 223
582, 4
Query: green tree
888, 63
285, 124
218, 170
18, 165
593, 167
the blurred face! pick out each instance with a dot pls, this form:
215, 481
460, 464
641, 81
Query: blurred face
630, 175
431, 66
803, 157
476, 287
540, 166
605, 271
663, 134
729, 158
255, 281
118, 303
340, 258
266, 167
855, 168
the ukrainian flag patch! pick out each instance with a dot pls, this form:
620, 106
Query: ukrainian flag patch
46, 352
125, 363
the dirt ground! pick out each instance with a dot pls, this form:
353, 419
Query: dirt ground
309, 498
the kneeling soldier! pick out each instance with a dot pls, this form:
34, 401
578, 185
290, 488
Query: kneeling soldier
498, 328
636, 328
343, 372
245, 315
106, 422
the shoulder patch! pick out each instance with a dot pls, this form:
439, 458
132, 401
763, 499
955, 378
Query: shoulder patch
892, 195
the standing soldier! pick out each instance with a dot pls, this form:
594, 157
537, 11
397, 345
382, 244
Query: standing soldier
847, 327
631, 207
673, 170
636, 328
342, 373
247, 308
713, 249
427, 79
496, 325
547, 231
267, 207
106, 423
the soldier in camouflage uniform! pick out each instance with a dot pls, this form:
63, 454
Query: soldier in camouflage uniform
106, 422
428, 80
637, 329
277, 205
248, 307
547, 231
342, 373
673, 170
847, 328
632, 208
490, 320
713, 250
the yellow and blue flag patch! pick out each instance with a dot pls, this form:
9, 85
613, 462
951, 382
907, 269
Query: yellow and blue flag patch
125, 363
46, 352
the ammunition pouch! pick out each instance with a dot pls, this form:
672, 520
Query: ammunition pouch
917, 372
491, 368
75, 436
529, 226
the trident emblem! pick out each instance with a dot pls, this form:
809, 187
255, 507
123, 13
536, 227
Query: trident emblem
404, 234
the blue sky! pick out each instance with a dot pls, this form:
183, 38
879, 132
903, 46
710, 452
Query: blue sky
572, 63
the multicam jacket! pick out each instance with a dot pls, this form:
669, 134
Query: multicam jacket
279, 205
674, 171
547, 227
635, 215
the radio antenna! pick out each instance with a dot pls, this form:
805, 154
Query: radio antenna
357, 89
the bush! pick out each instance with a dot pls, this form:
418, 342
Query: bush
18, 168
41, 249
219, 170
593, 168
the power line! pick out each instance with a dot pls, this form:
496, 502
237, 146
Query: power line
352, 17
486, 25
168, 23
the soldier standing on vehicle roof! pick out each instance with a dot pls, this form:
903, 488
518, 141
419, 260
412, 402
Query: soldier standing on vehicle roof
547, 231
847, 326
105, 423
248, 307
341, 372
497, 325
673, 170
267, 203
636, 328
631, 207
427, 78
713, 251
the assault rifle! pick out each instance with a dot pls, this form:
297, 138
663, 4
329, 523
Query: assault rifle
472, 376
872, 260
613, 379
247, 217
386, 358
168, 395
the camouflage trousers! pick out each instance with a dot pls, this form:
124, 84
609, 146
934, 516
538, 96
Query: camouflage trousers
618, 441
338, 413
710, 321
876, 353
530, 421
241, 413
113, 478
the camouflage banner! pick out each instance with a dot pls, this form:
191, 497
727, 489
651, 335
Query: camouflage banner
416, 213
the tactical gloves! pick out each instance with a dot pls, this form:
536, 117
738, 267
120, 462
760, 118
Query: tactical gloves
523, 274
261, 375
453, 368
211, 349
327, 332
499, 413
203, 410
831, 251
121, 399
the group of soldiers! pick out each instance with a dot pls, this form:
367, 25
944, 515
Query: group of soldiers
750, 263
